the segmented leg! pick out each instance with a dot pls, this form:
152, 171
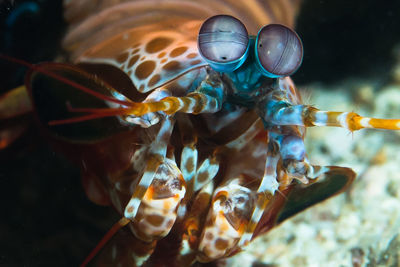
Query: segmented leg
196, 175
208, 169
285, 162
207, 98
265, 191
289, 148
193, 223
278, 113
157, 154
153, 118
152, 207
189, 153
227, 218
206, 172
151, 211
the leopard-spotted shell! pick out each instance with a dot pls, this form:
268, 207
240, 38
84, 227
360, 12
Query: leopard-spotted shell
155, 42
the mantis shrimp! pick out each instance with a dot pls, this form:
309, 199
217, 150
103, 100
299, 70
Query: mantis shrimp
199, 141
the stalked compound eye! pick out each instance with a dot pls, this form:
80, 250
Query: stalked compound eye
279, 51
223, 42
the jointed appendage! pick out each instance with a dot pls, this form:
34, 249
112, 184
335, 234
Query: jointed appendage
240, 170
281, 113
286, 161
286, 151
208, 98
265, 191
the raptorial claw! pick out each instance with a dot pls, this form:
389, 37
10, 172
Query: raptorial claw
156, 213
227, 219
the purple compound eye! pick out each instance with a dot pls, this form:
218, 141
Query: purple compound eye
223, 42
279, 50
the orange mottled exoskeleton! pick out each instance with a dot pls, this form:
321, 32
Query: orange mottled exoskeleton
186, 122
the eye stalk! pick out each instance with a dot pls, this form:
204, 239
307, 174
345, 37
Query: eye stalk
223, 42
279, 51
